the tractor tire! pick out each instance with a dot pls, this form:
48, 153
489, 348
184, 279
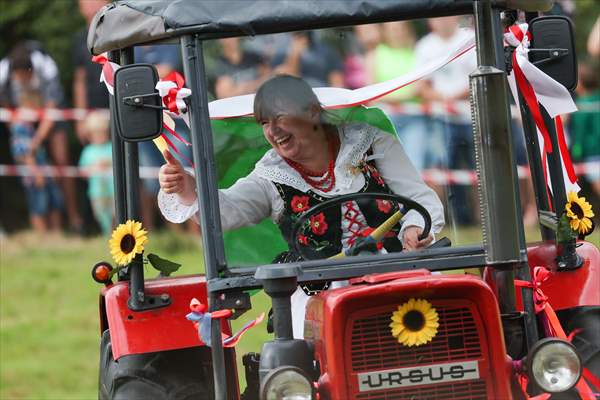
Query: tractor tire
587, 320
183, 374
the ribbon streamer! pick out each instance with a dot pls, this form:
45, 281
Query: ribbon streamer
171, 91
202, 321
539, 88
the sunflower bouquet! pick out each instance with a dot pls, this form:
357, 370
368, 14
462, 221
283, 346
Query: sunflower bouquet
129, 240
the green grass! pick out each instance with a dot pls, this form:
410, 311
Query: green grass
49, 334
49, 331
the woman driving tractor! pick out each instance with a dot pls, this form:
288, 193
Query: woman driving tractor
312, 161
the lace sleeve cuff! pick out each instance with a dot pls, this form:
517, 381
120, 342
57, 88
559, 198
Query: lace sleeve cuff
412, 218
173, 210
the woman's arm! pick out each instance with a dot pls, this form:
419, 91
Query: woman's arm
247, 202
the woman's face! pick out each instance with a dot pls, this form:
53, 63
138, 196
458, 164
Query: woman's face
293, 136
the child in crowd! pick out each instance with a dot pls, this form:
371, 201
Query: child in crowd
96, 158
44, 199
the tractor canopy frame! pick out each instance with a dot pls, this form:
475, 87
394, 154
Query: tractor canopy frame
121, 25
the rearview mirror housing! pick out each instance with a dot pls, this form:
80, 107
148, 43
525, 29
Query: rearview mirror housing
553, 49
137, 103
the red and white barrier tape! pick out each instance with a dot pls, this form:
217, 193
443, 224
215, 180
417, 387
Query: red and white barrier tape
437, 109
33, 115
431, 176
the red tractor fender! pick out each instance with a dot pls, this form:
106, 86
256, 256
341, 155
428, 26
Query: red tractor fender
160, 329
568, 288
572, 288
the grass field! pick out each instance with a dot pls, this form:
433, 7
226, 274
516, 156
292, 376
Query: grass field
49, 311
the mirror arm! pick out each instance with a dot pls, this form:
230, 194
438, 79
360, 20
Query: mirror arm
138, 101
553, 54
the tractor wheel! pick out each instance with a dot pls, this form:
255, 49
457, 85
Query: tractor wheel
182, 374
586, 320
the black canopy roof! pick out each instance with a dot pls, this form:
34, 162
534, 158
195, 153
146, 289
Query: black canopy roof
130, 22
126, 23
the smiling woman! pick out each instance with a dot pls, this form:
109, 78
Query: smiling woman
312, 161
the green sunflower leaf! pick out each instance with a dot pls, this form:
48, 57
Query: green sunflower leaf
165, 267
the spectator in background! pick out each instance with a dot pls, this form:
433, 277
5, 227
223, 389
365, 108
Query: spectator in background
88, 91
265, 47
239, 71
585, 123
28, 68
359, 64
593, 41
451, 84
394, 57
316, 62
96, 159
44, 200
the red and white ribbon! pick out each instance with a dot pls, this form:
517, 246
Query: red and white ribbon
332, 98
170, 89
108, 71
539, 88
172, 92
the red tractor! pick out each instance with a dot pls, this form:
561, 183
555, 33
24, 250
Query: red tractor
484, 338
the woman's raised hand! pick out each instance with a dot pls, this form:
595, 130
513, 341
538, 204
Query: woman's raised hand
173, 179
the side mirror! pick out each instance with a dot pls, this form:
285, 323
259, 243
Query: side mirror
137, 103
553, 49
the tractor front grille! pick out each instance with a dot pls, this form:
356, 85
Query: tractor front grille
372, 347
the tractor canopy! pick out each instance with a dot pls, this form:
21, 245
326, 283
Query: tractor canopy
133, 22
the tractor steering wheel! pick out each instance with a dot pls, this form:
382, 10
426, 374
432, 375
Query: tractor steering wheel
405, 204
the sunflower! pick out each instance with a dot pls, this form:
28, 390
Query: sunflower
127, 240
579, 213
415, 322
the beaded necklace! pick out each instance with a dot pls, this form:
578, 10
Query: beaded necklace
327, 182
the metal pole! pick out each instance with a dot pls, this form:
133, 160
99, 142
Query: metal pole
522, 272
559, 195
494, 156
118, 157
535, 166
132, 180
206, 187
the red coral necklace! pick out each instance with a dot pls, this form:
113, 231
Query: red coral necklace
327, 182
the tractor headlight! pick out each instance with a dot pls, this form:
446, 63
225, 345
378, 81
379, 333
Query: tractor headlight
286, 383
554, 365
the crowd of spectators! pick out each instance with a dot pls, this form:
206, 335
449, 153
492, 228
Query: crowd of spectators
347, 58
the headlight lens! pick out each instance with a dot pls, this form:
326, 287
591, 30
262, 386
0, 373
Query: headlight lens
286, 383
554, 365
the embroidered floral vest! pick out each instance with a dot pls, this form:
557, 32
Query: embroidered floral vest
321, 237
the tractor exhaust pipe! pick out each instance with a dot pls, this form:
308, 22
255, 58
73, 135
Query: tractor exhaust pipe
494, 160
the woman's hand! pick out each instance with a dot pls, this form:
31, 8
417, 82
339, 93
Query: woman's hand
173, 179
410, 239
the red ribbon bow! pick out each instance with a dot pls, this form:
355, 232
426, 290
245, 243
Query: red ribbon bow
170, 100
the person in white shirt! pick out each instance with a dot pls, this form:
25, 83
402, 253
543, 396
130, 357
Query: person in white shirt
451, 143
312, 161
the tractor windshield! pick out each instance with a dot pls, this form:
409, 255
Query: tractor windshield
393, 118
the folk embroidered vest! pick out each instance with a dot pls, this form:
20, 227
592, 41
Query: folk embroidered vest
321, 235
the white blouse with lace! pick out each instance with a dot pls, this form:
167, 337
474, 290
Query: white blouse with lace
254, 197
